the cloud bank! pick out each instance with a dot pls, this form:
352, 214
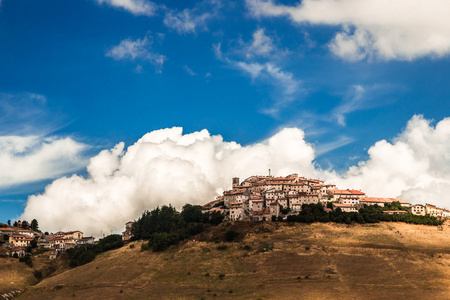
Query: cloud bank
384, 29
25, 159
29, 149
166, 166
415, 166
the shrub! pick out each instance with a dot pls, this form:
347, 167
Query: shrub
207, 275
230, 235
27, 259
132, 246
222, 247
247, 247
38, 274
307, 248
80, 256
221, 276
145, 247
41, 250
162, 241
266, 247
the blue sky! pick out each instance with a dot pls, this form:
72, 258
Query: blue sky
93, 73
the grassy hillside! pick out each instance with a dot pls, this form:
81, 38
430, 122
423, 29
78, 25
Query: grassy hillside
271, 261
16, 275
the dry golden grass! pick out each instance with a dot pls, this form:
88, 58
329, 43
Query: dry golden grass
319, 261
15, 275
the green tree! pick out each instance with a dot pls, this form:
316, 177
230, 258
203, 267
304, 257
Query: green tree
214, 218
285, 211
9, 222
25, 225
34, 225
110, 242
192, 213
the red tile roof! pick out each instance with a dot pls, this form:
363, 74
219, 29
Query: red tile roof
264, 211
381, 200
343, 205
214, 209
8, 229
346, 192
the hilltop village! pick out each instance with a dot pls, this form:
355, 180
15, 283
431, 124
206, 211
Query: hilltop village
257, 198
266, 198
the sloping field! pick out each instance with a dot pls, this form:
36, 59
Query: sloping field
271, 261
16, 275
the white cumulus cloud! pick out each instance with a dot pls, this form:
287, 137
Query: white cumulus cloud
136, 7
384, 29
164, 166
415, 166
168, 167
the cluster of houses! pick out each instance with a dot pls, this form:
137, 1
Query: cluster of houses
256, 198
264, 197
20, 238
